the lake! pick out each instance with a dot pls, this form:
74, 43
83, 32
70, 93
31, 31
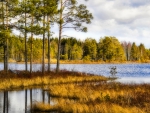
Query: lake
127, 73
19, 101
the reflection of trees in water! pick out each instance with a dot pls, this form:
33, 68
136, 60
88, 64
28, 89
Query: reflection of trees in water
30, 97
26, 101
46, 97
5, 102
1, 98
48, 94
43, 95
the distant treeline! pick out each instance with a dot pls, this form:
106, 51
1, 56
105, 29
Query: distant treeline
108, 49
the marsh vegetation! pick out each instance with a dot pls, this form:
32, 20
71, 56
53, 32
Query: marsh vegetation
75, 92
25, 79
97, 98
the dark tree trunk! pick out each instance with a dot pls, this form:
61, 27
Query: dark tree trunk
25, 35
48, 20
31, 54
43, 52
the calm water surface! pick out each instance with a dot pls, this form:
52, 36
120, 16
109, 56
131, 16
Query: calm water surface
127, 73
136, 73
19, 101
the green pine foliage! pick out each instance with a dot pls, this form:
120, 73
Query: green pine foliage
90, 48
34, 18
108, 49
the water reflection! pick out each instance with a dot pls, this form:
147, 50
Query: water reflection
31, 99
5, 102
43, 94
25, 101
21, 101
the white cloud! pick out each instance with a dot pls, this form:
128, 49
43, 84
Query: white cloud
128, 20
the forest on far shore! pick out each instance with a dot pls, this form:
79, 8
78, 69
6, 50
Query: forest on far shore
108, 49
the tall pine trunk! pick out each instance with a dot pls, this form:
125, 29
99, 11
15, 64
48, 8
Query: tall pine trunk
48, 34
59, 40
43, 50
31, 53
6, 38
25, 35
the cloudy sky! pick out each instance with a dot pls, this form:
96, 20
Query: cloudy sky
127, 20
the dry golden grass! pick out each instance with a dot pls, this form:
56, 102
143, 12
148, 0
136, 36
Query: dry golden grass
85, 108
100, 98
81, 93
20, 81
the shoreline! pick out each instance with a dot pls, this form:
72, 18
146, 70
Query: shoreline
83, 62
79, 92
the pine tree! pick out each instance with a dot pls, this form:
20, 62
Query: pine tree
71, 15
5, 27
134, 52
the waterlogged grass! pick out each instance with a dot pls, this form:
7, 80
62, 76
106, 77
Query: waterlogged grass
98, 98
22, 80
